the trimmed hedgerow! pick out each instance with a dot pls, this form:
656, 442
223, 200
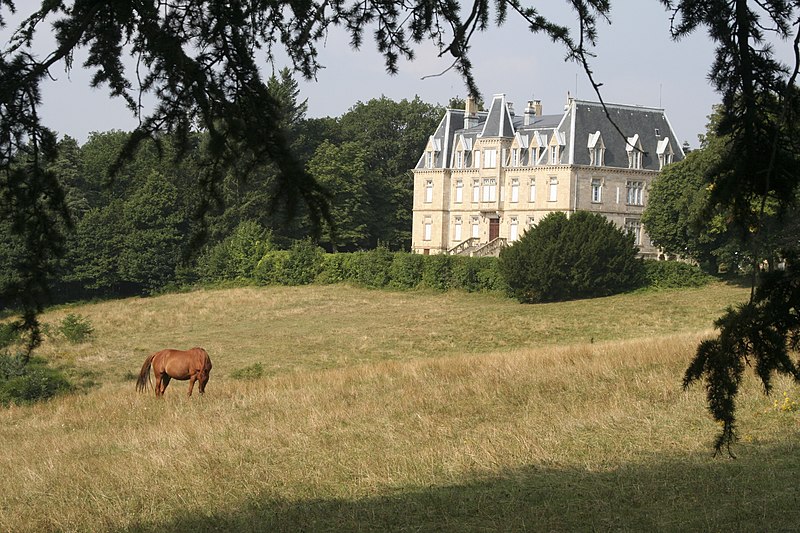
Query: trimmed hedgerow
674, 275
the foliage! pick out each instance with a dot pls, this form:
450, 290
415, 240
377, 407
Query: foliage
254, 371
565, 258
674, 275
238, 255
271, 267
303, 263
23, 382
763, 333
76, 328
406, 270
371, 269
437, 272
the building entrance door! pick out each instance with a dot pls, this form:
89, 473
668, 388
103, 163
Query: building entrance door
494, 228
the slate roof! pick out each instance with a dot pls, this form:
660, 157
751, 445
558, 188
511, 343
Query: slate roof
580, 120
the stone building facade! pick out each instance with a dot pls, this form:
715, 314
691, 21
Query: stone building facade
485, 177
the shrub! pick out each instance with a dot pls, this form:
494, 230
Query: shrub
436, 271
271, 267
333, 268
371, 269
303, 263
406, 270
29, 382
238, 255
674, 274
9, 334
564, 258
489, 275
253, 371
76, 328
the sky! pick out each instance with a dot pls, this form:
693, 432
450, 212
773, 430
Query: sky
636, 61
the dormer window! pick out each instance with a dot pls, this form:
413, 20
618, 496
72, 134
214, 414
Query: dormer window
597, 150
429, 158
665, 152
459, 162
634, 149
515, 157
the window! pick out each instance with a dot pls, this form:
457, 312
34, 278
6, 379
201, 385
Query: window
635, 193
534, 156
664, 160
515, 157
429, 159
513, 232
531, 222
490, 158
428, 191
515, 190
596, 156
476, 191
476, 227
635, 159
489, 190
476, 158
553, 190
634, 227
554, 155
597, 191
532, 192
459, 159
457, 229
459, 191
428, 230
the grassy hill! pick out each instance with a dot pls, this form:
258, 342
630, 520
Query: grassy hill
398, 411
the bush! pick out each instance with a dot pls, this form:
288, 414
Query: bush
271, 267
564, 258
674, 275
371, 269
22, 383
406, 270
76, 328
303, 263
237, 256
436, 271
253, 371
333, 268
9, 334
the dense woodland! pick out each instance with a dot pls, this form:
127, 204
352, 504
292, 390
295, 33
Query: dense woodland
136, 232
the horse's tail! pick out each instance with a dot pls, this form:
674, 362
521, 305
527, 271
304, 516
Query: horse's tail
144, 375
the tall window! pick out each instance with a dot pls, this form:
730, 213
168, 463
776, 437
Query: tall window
532, 191
634, 227
513, 231
635, 192
429, 159
635, 159
428, 191
597, 191
515, 190
428, 230
554, 155
476, 227
596, 155
489, 190
664, 160
457, 229
490, 156
476, 159
459, 191
476, 191
459, 159
515, 157
553, 196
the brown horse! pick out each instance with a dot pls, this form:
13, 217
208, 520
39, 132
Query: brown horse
194, 365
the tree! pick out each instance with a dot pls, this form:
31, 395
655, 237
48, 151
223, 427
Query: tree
584, 255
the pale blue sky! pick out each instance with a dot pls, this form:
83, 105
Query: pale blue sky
637, 62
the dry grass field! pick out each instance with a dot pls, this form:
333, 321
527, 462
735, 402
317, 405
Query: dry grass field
393, 411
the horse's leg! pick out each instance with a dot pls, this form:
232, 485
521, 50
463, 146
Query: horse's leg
158, 388
203, 380
192, 379
164, 382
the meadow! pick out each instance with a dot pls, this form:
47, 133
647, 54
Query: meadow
398, 411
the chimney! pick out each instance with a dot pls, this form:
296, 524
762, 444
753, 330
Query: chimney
470, 113
532, 110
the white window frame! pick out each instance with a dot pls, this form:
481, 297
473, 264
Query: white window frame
459, 159
634, 226
513, 229
597, 190
554, 155
489, 193
428, 191
635, 192
552, 195
532, 191
476, 191
476, 227
459, 191
427, 233
457, 229
476, 156
514, 190
490, 158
